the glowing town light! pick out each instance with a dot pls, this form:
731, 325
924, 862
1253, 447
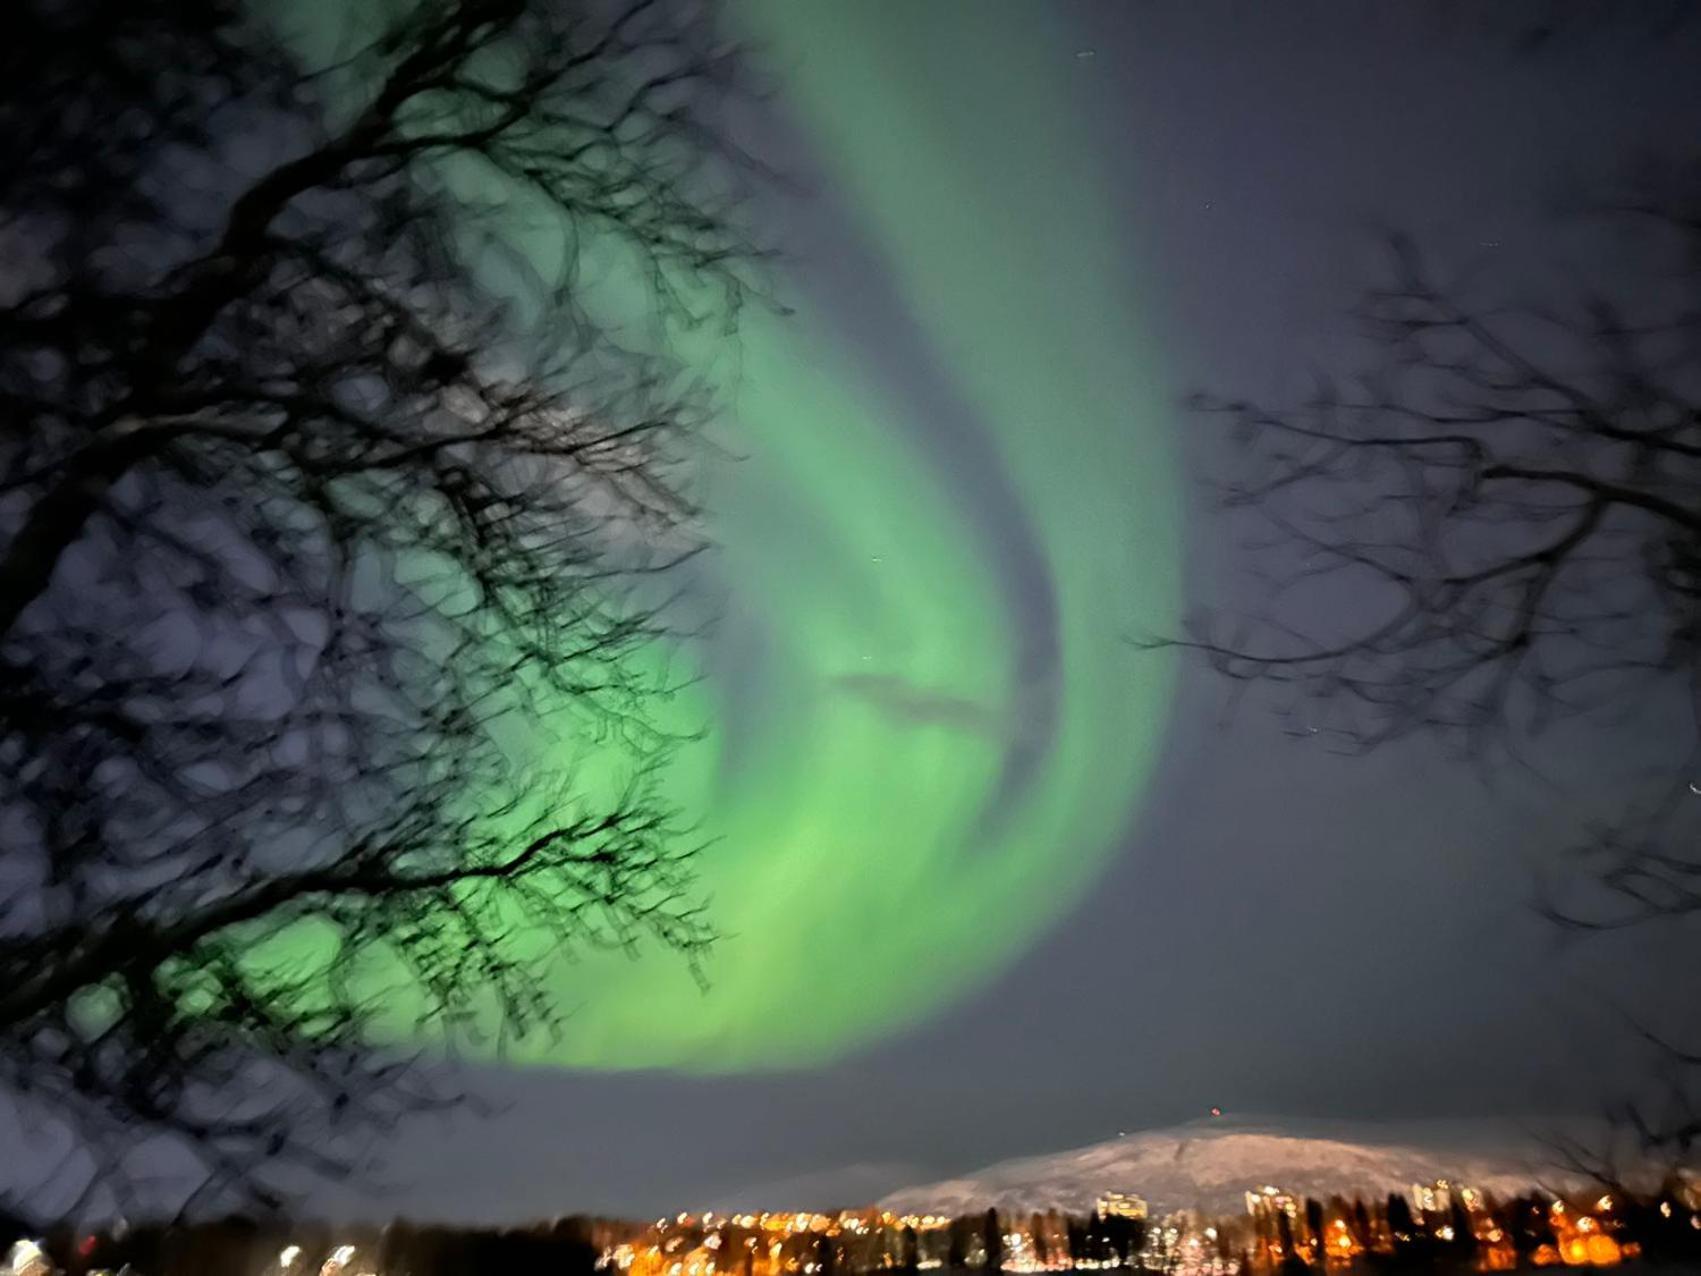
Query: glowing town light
27, 1258
287, 1255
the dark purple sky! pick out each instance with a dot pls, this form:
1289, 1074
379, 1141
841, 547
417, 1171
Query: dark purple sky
1288, 931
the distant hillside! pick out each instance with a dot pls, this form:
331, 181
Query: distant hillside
1209, 1164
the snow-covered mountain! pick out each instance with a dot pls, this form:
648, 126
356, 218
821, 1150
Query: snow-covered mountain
1209, 1164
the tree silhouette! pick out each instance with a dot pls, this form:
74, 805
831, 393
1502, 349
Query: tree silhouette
909, 1253
1459, 1219
1530, 1224
1401, 1225
1078, 1236
957, 1242
304, 523
1510, 498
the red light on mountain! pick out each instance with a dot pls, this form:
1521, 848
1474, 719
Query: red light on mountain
1216, 1111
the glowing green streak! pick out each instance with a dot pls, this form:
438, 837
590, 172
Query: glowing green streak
855, 888
854, 871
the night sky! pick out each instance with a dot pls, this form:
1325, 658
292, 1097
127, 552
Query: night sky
992, 880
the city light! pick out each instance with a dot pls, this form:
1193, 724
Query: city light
27, 1258
1447, 1223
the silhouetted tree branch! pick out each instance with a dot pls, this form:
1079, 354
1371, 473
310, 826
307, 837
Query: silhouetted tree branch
1494, 525
310, 534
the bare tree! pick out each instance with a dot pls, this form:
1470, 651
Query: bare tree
1495, 525
304, 525
1536, 28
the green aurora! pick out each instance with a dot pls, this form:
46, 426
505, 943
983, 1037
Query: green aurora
926, 732
908, 800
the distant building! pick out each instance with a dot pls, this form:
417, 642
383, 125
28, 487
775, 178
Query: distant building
1432, 1198
1267, 1202
1121, 1205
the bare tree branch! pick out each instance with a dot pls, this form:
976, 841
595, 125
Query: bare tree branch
1496, 524
309, 543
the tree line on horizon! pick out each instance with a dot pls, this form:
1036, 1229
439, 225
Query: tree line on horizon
1531, 1230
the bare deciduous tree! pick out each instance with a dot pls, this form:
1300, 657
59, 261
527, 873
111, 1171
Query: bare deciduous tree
1494, 526
302, 527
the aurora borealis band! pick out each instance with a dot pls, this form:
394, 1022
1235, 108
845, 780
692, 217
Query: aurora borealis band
951, 502
928, 730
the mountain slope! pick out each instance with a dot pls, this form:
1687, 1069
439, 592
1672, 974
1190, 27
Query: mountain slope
1210, 1164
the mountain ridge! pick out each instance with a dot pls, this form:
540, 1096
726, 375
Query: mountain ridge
1210, 1163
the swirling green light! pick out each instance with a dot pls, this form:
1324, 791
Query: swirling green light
909, 777
926, 731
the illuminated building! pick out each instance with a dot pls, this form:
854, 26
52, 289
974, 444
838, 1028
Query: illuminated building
1433, 1198
1121, 1205
1268, 1201
27, 1258
1340, 1245
1584, 1240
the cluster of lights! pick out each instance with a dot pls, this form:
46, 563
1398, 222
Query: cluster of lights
1121, 1205
27, 1258
687, 1245
1582, 1238
690, 1244
698, 1245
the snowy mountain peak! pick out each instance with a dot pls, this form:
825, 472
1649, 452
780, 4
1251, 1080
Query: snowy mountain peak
1211, 1163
